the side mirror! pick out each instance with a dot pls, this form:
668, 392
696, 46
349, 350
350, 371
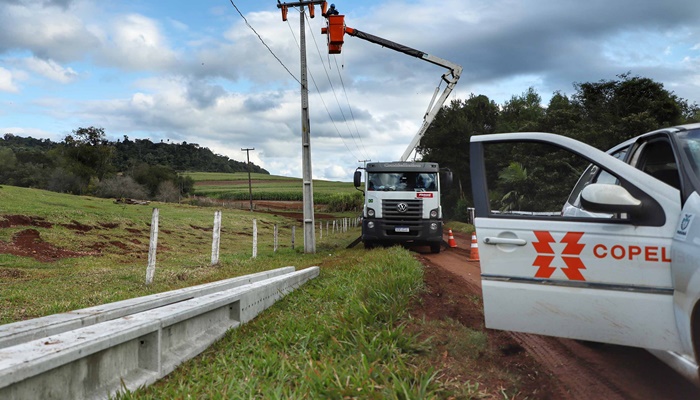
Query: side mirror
606, 198
357, 178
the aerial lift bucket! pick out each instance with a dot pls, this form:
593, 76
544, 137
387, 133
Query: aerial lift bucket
335, 31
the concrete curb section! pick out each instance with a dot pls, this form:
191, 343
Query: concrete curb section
93, 362
23, 331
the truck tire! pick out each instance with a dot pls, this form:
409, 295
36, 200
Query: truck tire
435, 248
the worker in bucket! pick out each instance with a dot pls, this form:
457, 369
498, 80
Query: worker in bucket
331, 11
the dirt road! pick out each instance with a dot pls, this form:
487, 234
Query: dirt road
580, 371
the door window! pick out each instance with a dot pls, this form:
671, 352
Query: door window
537, 179
656, 158
593, 174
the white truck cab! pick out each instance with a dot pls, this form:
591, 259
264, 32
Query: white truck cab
620, 264
402, 203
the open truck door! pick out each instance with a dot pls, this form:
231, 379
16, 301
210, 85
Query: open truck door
605, 277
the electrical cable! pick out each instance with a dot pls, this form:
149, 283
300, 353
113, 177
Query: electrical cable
336, 97
323, 101
295, 78
352, 115
263, 42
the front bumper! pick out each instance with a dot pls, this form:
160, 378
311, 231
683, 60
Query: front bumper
391, 232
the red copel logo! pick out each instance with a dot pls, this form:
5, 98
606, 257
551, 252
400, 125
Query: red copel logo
570, 255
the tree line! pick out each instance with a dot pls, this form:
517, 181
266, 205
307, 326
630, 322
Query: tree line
601, 114
85, 162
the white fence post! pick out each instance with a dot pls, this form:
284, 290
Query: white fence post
320, 229
255, 237
216, 239
294, 233
151, 269
274, 249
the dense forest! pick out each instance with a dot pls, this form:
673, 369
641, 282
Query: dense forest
601, 114
85, 162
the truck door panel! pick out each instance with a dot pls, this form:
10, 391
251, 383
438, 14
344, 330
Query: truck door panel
599, 279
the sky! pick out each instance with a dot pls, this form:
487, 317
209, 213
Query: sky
197, 72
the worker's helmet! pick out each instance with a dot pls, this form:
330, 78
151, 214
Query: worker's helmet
332, 5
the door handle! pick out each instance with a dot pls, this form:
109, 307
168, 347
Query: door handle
498, 240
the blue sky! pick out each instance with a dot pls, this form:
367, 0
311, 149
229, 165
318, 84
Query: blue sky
193, 71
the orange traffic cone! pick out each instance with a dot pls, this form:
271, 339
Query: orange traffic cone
451, 239
474, 255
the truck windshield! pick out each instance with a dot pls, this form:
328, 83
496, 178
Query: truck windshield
402, 181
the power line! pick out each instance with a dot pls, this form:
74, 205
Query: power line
325, 106
312, 77
263, 42
334, 93
352, 115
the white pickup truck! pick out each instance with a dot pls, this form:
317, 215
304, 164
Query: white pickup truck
620, 264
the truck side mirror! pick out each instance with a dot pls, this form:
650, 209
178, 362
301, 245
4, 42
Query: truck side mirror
357, 178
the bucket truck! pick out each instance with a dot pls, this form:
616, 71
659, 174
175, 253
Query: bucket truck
402, 199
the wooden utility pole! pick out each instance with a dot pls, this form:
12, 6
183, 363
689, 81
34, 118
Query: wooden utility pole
250, 185
308, 191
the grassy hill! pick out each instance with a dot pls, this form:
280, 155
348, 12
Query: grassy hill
62, 252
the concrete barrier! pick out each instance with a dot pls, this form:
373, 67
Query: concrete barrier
96, 361
22, 331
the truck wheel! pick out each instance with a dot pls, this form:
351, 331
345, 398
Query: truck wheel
435, 248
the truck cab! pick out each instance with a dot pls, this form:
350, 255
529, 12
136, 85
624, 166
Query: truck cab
402, 204
618, 264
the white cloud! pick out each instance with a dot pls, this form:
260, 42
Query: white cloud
30, 132
51, 70
55, 33
136, 42
7, 83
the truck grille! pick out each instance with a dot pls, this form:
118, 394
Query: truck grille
410, 218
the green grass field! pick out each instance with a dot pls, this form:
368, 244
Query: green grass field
110, 244
343, 335
264, 187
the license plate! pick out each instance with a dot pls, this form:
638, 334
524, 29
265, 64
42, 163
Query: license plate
402, 229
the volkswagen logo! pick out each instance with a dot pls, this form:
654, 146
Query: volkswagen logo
402, 207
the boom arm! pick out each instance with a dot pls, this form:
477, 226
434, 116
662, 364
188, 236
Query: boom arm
336, 30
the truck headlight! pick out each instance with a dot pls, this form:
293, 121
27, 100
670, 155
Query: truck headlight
370, 212
370, 225
433, 226
433, 213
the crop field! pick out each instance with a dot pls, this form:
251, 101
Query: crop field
265, 187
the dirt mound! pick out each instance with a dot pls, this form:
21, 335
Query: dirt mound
28, 243
9, 221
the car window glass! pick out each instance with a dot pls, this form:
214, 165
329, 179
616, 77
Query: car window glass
656, 158
593, 174
537, 179
690, 143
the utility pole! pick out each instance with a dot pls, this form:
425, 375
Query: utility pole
364, 162
308, 191
250, 185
